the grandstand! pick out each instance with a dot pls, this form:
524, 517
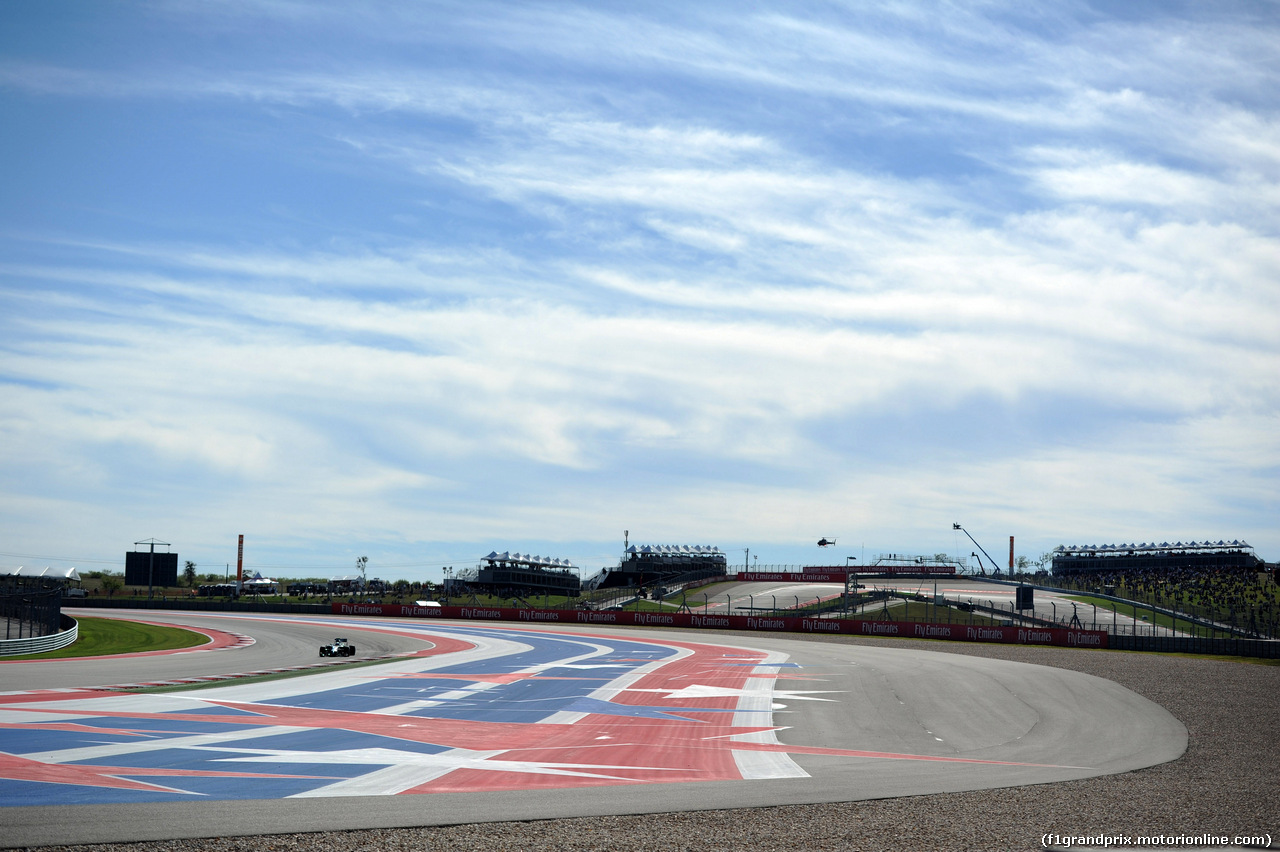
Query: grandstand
521, 574
1163, 557
1221, 584
651, 565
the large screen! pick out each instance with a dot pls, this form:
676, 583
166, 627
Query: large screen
140, 571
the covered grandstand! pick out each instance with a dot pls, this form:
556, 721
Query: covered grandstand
1199, 555
521, 574
651, 565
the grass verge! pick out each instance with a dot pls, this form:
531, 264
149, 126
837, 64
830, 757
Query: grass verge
104, 636
1141, 613
259, 678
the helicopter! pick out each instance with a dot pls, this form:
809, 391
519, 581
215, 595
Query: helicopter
826, 542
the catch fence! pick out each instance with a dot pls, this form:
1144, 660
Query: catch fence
28, 613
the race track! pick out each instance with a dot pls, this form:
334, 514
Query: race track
481, 722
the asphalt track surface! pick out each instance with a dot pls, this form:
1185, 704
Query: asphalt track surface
477, 722
781, 596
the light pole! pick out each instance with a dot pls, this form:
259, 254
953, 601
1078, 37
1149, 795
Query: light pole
848, 575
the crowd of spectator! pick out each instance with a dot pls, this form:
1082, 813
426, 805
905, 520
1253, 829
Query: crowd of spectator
1242, 598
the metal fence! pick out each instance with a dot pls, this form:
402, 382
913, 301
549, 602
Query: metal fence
886, 604
1260, 621
896, 605
1231, 647
67, 635
30, 612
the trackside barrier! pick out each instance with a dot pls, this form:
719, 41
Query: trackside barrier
200, 605
1267, 649
1142, 606
788, 624
812, 575
40, 644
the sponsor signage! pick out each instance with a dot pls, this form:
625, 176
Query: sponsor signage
817, 575
838, 575
1009, 635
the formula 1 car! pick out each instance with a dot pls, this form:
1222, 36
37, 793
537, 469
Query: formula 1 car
338, 648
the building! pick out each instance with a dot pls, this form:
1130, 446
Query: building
509, 574
650, 565
1195, 555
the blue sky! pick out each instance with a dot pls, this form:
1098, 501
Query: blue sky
421, 281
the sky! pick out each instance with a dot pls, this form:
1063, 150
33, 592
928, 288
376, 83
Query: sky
419, 281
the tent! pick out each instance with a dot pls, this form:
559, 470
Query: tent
63, 574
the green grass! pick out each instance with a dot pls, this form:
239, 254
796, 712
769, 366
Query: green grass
103, 636
1144, 614
1263, 593
697, 597
237, 681
652, 606
927, 612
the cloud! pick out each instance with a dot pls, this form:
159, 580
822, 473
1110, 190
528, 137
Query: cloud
732, 275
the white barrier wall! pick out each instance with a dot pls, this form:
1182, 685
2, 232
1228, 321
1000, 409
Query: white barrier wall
39, 644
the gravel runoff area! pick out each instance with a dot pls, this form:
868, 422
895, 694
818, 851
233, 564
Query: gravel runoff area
1225, 785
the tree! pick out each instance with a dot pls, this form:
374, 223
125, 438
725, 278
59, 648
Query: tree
189, 574
112, 583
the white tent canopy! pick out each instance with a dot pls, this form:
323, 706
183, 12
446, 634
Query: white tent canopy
1164, 546
528, 559
675, 550
64, 574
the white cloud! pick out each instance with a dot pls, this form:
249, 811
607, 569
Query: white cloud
736, 275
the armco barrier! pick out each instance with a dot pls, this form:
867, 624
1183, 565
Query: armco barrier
40, 644
1235, 646
787, 624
